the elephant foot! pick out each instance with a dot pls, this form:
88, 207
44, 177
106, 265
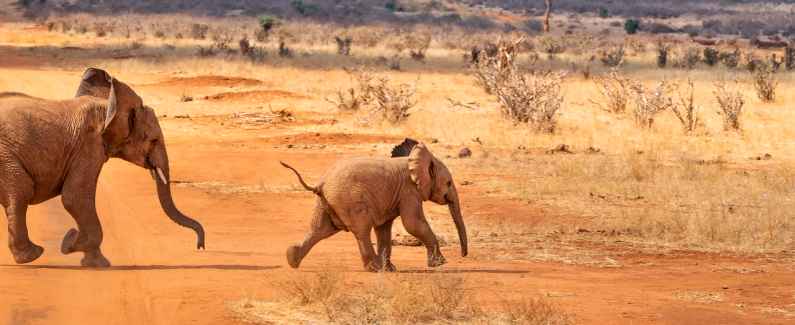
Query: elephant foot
69, 240
95, 260
389, 267
30, 254
438, 260
292, 256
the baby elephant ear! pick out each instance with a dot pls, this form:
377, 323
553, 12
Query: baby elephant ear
420, 168
113, 104
403, 149
93, 83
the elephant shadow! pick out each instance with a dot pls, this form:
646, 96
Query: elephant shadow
219, 267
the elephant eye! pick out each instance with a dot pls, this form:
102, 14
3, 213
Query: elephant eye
449, 183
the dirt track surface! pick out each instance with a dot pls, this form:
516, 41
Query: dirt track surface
229, 178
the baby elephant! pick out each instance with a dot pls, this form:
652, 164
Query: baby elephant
359, 194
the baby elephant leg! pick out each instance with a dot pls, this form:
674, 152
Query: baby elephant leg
321, 228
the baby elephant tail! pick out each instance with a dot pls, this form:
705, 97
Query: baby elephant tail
301, 179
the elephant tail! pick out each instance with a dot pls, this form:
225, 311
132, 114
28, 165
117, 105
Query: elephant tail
301, 179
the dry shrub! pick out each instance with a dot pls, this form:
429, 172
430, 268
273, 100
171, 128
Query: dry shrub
711, 56
358, 96
418, 44
396, 300
650, 102
551, 45
730, 59
244, 45
765, 83
731, 103
399, 299
662, 54
393, 101
615, 90
343, 45
199, 31
688, 58
531, 98
612, 57
685, 109
306, 290
488, 71
535, 311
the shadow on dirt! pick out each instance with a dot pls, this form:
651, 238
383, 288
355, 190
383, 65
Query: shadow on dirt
231, 267
454, 271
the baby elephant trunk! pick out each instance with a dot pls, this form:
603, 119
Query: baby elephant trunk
455, 211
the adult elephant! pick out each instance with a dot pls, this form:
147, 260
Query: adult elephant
50, 148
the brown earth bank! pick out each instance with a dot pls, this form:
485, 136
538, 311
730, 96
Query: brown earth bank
228, 177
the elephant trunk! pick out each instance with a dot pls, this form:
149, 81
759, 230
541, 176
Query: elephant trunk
455, 211
161, 174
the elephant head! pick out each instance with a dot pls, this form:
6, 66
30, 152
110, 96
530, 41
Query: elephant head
434, 182
131, 132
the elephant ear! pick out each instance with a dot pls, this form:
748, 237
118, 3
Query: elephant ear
113, 104
404, 149
95, 82
421, 169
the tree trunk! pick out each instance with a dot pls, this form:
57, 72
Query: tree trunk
546, 15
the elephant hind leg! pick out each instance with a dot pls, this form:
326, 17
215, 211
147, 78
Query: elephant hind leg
15, 200
384, 235
322, 228
22, 248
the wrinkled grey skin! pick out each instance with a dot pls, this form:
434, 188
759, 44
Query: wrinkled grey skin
50, 148
358, 195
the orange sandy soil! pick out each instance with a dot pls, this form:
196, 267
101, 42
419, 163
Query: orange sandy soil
228, 177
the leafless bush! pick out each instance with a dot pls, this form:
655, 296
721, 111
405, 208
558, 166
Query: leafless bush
662, 54
418, 45
650, 102
686, 110
257, 55
711, 56
612, 57
533, 99
393, 101
688, 58
730, 59
551, 45
765, 83
284, 51
615, 90
305, 290
199, 31
731, 104
222, 41
358, 96
343, 45
244, 45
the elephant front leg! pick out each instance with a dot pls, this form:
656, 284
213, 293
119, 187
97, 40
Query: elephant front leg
22, 248
384, 235
78, 199
414, 221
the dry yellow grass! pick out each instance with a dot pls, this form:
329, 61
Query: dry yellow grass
329, 297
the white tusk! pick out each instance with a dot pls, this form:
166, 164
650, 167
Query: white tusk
154, 176
162, 177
